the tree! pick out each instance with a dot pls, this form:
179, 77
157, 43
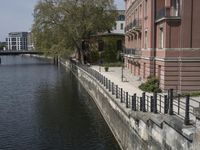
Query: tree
62, 25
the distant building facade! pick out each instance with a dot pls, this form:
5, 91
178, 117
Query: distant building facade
162, 39
17, 41
120, 22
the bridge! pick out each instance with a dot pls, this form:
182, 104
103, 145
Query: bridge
19, 52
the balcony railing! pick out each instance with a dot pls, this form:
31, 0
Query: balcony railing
135, 25
132, 52
167, 13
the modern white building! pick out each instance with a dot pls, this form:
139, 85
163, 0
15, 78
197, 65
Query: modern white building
120, 23
17, 41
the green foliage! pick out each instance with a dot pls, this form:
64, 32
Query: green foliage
193, 94
2, 45
114, 64
94, 56
152, 85
110, 53
60, 26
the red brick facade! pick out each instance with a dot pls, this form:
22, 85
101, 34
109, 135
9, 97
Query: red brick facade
163, 39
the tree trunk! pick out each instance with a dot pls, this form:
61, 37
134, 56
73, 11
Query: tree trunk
80, 56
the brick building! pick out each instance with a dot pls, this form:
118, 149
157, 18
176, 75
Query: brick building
162, 39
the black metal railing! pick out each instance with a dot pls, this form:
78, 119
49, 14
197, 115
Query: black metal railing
156, 103
131, 51
135, 24
165, 13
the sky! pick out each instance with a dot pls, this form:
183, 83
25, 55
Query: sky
17, 15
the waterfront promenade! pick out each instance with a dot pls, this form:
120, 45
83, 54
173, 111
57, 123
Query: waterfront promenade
130, 84
160, 118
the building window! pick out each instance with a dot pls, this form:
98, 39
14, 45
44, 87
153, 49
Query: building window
145, 8
122, 26
161, 38
145, 40
175, 7
121, 18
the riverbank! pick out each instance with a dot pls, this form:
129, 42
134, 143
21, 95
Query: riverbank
133, 129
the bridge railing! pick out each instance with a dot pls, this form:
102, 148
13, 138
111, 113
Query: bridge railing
157, 103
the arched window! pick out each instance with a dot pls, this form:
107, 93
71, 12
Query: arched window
175, 7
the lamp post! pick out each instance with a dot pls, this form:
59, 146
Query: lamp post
100, 61
122, 76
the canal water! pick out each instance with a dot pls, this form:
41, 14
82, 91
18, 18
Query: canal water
43, 107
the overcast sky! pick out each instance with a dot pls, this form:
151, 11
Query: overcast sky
16, 15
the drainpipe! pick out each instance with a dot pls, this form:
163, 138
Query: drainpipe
154, 37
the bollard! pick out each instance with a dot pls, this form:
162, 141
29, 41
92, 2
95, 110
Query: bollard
171, 102
0, 60
187, 110
143, 102
134, 102
126, 99
166, 103
116, 91
140, 103
121, 95
152, 103
155, 102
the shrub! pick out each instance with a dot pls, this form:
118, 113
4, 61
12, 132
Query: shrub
151, 85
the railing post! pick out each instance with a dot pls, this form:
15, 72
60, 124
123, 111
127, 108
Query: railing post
121, 95
143, 102
140, 103
179, 103
109, 85
166, 104
126, 99
152, 103
155, 102
106, 83
187, 109
112, 88
171, 102
116, 91
134, 102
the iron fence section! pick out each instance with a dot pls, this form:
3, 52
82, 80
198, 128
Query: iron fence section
158, 103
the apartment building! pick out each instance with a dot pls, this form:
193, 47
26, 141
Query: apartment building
17, 41
162, 39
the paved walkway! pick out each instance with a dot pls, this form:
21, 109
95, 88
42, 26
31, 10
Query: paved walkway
130, 83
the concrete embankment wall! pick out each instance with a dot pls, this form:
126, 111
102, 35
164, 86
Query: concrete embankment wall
136, 130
